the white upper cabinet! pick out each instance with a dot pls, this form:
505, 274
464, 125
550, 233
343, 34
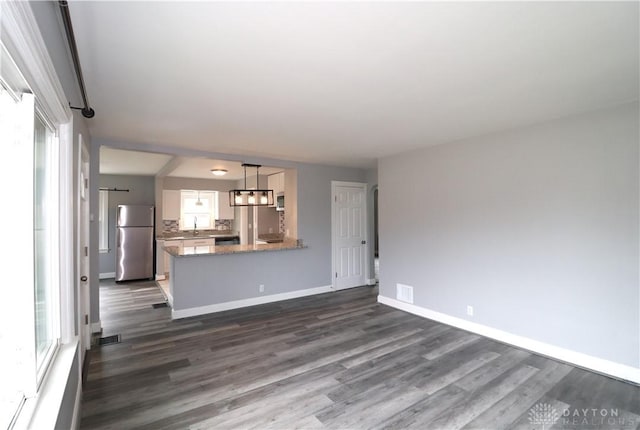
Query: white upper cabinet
223, 209
171, 204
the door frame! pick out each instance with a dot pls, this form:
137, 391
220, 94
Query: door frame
334, 225
84, 288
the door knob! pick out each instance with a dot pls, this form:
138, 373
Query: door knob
364, 242
83, 278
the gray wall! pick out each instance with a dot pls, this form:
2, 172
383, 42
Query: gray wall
314, 216
536, 228
141, 192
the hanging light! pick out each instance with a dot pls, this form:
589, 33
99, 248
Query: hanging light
199, 202
247, 197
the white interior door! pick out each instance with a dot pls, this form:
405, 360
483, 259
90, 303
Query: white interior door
349, 234
83, 283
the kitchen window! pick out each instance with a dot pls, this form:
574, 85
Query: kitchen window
197, 210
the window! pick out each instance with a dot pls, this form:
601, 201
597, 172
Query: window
46, 267
197, 209
103, 221
30, 324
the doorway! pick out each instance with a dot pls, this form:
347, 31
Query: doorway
349, 234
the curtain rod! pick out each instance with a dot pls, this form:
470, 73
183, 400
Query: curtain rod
87, 112
124, 190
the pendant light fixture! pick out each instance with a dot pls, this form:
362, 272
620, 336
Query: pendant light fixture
246, 197
199, 203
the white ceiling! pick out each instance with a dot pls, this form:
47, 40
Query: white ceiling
124, 162
347, 82
118, 162
201, 168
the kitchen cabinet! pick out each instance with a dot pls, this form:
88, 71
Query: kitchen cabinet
171, 204
198, 242
275, 182
223, 209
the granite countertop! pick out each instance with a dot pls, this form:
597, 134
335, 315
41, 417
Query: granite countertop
190, 251
207, 234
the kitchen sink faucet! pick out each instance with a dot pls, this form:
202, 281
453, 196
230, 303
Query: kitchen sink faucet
195, 225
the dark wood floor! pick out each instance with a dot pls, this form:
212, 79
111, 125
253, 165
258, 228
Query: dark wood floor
337, 360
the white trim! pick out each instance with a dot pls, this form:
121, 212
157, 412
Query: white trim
365, 216
169, 299
96, 327
67, 229
371, 281
77, 406
160, 277
236, 304
107, 275
26, 46
45, 406
617, 370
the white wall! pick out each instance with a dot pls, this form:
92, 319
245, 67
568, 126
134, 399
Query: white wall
537, 228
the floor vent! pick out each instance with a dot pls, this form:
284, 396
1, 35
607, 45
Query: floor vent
404, 293
108, 340
160, 305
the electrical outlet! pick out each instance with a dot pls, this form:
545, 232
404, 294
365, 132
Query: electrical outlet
470, 310
270, 229
261, 288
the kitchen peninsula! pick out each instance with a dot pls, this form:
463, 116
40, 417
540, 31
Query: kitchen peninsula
206, 279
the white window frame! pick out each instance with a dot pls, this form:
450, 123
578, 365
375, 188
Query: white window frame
103, 221
191, 194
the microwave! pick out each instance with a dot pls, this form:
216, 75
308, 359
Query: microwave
280, 202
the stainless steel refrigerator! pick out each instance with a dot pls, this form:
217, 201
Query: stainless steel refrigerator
134, 242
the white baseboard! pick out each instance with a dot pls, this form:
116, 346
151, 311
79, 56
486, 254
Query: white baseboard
607, 367
107, 275
96, 327
75, 420
160, 277
218, 307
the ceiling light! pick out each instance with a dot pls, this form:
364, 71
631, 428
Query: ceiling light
247, 197
219, 172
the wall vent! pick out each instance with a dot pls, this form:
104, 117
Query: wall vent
404, 293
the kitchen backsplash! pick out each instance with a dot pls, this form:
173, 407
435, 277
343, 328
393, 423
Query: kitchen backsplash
172, 226
281, 222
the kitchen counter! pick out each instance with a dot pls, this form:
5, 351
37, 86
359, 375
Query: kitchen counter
231, 249
222, 234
